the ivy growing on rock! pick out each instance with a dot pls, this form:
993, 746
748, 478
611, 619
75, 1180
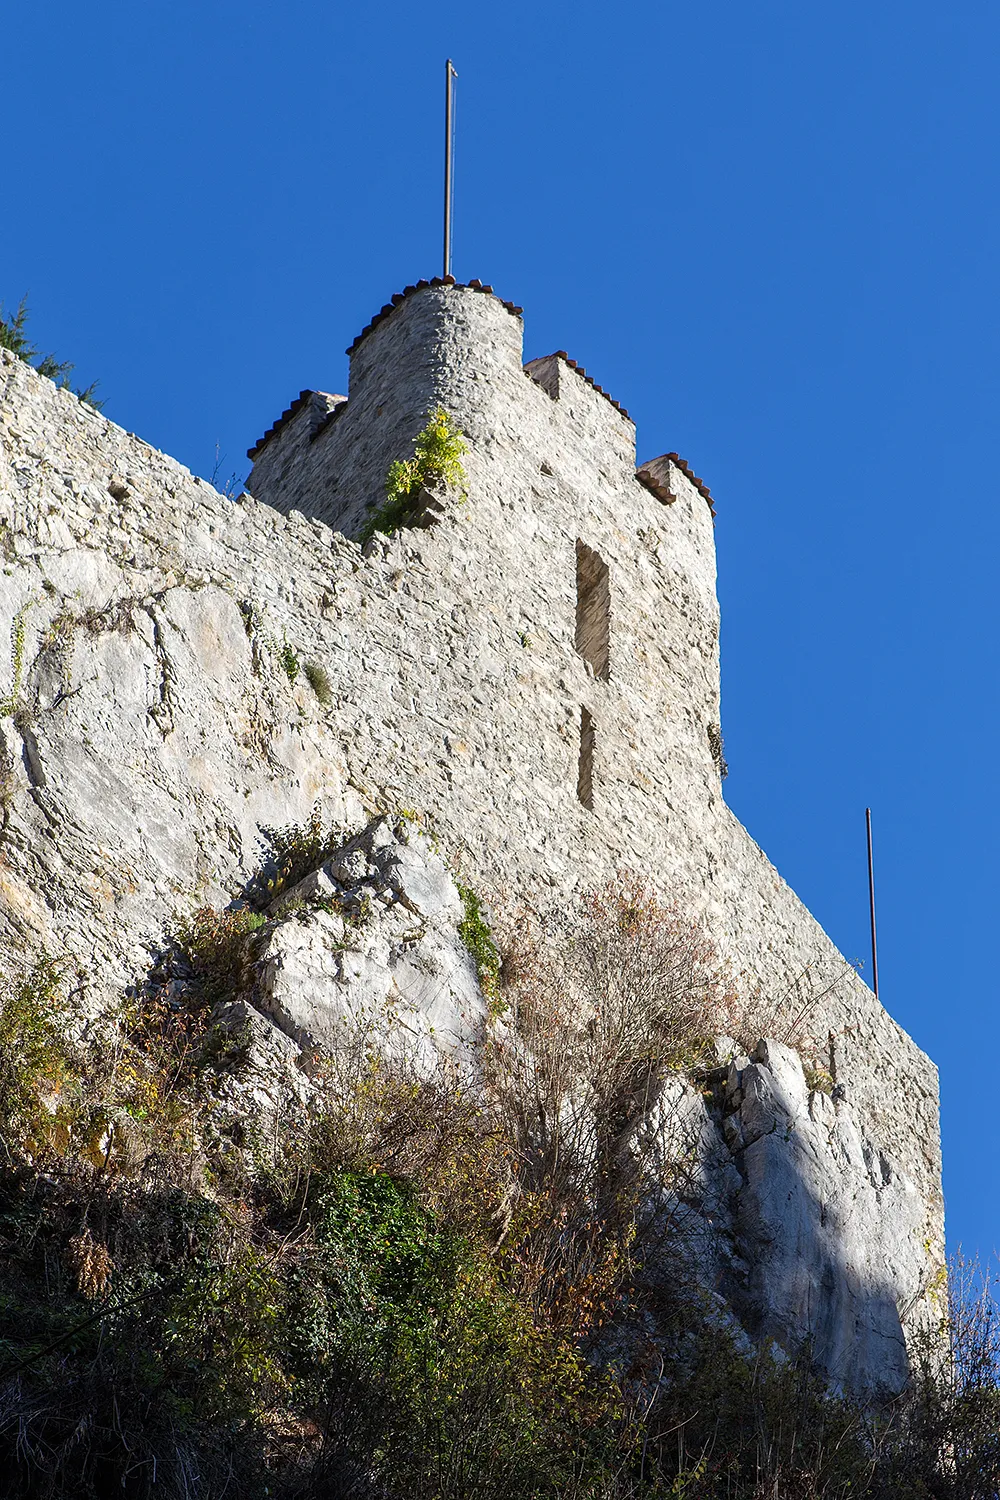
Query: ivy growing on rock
477, 935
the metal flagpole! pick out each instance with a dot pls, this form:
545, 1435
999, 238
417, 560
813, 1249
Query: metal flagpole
449, 86
871, 900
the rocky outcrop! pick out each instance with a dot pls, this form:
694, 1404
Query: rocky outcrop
826, 1225
780, 1203
367, 952
771, 1196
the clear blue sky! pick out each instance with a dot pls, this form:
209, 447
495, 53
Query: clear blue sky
770, 230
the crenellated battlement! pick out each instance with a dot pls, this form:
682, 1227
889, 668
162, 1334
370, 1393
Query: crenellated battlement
437, 344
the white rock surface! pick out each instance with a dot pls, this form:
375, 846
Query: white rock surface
782, 1205
828, 1225
395, 976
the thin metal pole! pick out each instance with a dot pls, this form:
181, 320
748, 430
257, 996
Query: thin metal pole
449, 76
871, 900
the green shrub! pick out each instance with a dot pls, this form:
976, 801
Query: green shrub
462, 1384
408, 1296
437, 459
819, 1080
319, 680
14, 336
477, 935
223, 1335
10, 702
217, 945
289, 662
294, 851
34, 1062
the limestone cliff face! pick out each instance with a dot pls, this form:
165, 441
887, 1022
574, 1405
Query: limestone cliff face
795, 1227
157, 713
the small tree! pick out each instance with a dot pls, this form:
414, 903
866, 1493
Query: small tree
14, 336
597, 1018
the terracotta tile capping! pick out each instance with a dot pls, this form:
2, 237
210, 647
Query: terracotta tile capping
286, 416
574, 365
293, 411
418, 286
657, 487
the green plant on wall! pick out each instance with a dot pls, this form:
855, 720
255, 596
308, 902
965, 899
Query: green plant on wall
437, 460
33, 1058
289, 659
477, 935
318, 679
294, 851
9, 702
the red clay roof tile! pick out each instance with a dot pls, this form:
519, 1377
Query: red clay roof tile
286, 416
574, 365
474, 285
662, 492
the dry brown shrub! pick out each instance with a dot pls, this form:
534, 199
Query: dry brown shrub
750, 1012
601, 1009
382, 1115
597, 1016
89, 1263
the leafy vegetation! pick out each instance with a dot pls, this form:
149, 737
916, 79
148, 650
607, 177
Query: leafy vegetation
14, 336
33, 1062
437, 460
477, 935
411, 1288
319, 680
290, 663
293, 851
10, 701
218, 949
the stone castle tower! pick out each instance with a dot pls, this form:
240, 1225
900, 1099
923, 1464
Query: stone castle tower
536, 667
600, 695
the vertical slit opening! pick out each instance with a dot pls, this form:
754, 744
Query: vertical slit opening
585, 774
593, 610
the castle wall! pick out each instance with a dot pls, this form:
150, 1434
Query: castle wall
157, 728
285, 463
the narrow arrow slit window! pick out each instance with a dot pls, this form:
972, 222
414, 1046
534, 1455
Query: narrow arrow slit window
585, 774
593, 610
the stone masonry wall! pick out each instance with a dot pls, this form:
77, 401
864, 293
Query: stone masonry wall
152, 729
